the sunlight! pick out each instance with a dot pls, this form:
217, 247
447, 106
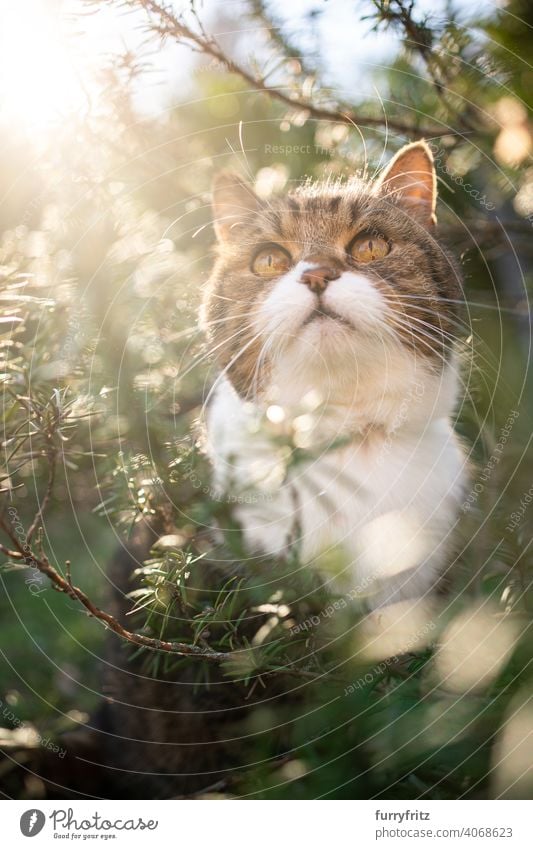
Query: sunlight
52, 55
48, 67
40, 81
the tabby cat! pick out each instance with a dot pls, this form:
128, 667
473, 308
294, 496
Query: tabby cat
332, 313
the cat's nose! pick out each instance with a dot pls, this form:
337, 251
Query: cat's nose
318, 278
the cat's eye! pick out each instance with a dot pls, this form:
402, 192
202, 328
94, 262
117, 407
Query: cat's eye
271, 261
368, 247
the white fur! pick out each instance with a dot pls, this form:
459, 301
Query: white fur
383, 473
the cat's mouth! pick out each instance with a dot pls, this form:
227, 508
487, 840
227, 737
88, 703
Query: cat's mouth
321, 313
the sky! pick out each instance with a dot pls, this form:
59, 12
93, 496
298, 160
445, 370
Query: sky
49, 49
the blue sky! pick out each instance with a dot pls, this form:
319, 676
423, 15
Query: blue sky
347, 47
48, 52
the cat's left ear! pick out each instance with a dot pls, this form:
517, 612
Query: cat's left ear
411, 175
234, 202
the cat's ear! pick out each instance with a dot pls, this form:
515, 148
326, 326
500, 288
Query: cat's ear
233, 202
411, 175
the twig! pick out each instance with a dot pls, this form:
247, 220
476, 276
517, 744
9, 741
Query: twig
63, 585
171, 26
419, 37
13, 555
52, 456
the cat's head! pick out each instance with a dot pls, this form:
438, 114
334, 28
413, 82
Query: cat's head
341, 288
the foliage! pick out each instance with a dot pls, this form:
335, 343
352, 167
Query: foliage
104, 373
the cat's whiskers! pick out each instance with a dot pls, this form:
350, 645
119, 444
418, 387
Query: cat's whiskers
438, 331
254, 383
456, 321
226, 319
421, 338
452, 340
485, 356
439, 346
465, 303
210, 351
223, 373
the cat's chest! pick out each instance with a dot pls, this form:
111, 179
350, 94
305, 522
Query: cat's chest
339, 481
344, 491
367, 487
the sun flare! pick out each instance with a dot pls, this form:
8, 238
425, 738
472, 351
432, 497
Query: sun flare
46, 75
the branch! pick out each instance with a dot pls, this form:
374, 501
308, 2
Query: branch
170, 25
420, 37
65, 585
13, 555
52, 459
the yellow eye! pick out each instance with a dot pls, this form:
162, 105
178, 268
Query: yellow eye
367, 248
271, 262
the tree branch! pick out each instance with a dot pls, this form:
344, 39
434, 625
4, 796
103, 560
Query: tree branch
420, 38
65, 585
170, 25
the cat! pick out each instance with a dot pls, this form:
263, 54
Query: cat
332, 314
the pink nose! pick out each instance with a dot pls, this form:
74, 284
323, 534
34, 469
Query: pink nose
317, 279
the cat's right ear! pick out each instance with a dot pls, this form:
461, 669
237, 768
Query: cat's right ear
233, 202
411, 177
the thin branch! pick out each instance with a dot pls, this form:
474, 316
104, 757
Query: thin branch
52, 458
13, 555
64, 585
170, 25
420, 38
